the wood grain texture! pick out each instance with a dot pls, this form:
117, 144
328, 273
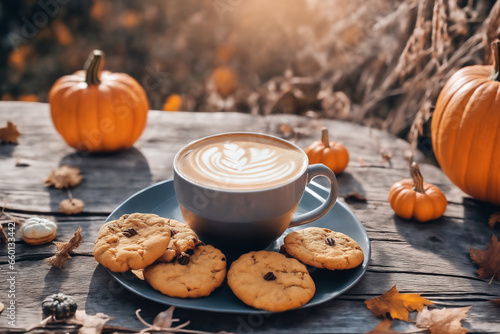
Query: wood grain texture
430, 258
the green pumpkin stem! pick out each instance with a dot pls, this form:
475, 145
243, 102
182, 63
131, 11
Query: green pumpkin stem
324, 137
495, 50
418, 179
93, 66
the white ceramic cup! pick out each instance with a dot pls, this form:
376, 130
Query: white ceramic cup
242, 220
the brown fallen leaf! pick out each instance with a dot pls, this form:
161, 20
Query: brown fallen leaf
495, 301
63, 249
444, 321
9, 134
71, 206
488, 260
383, 327
494, 218
64, 177
355, 197
164, 319
396, 304
386, 155
163, 323
91, 324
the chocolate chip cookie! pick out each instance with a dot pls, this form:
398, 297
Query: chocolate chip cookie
132, 242
182, 241
189, 276
324, 248
270, 281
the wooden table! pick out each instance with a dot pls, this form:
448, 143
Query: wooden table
432, 259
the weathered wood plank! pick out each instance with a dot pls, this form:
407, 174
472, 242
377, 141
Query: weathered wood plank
419, 258
432, 258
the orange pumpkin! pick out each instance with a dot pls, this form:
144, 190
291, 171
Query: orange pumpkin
414, 198
98, 111
465, 126
330, 153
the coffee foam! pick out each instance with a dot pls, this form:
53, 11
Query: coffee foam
240, 161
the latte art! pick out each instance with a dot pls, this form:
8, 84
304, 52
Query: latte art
241, 162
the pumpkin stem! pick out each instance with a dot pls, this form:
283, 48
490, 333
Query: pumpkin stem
495, 49
324, 137
93, 66
418, 179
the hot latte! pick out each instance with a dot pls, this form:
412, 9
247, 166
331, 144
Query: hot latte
240, 162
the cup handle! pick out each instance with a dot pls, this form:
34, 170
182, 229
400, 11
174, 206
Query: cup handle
313, 171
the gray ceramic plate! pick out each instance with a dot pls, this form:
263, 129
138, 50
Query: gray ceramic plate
160, 199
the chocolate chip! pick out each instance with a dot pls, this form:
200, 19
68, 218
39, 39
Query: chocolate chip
129, 232
269, 276
223, 259
330, 241
172, 232
183, 260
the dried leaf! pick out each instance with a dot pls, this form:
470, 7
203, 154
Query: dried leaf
163, 323
386, 155
383, 327
9, 134
91, 324
495, 301
355, 197
396, 304
165, 318
488, 260
71, 206
64, 177
444, 321
494, 218
63, 249
2, 307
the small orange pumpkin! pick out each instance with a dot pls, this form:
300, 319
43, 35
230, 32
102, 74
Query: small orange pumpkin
414, 198
464, 128
330, 153
98, 111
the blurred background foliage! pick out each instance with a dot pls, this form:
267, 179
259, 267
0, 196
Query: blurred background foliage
381, 62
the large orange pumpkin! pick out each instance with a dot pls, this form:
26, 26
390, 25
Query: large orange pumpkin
465, 129
98, 111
